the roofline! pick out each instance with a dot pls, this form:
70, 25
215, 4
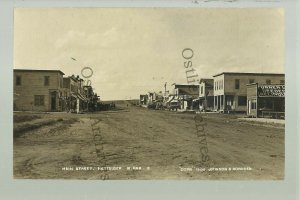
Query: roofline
73, 78
249, 84
40, 70
248, 73
185, 84
76, 78
206, 79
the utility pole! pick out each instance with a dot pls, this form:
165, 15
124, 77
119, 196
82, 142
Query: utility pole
165, 88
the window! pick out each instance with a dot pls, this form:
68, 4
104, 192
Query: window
216, 103
251, 81
268, 82
253, 104
237, 83
46, 80
242, 100
59, 82
18, 80
282, 82
39, 100
201, 89
221, 100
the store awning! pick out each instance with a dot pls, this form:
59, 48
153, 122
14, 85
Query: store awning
81, 97
169, 100
174, 101
74, 95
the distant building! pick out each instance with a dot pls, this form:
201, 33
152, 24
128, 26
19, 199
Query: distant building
154, 97
155, 100
91, 97
38, 90
143, 99
206, 94
69, 93
230, 89
74, 99
185, 94
266, 100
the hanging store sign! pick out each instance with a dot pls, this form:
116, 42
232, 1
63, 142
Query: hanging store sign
271, 90
87, 73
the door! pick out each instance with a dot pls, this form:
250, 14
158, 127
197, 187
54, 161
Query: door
249, 107
53, 101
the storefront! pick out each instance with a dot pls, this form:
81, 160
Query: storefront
267, 101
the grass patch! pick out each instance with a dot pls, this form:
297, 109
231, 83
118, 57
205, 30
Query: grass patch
22, 129
24, 118
29, 127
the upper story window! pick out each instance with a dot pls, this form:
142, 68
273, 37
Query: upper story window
202, 89
73, 89
62, 82
18, 80
237, 83
268, 82
251, 81
46, 80
282, 82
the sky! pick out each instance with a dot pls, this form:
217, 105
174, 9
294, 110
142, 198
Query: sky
136, 50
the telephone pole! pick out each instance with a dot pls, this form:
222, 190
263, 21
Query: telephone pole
165, 88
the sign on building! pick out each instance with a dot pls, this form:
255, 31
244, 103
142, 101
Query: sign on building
271, 90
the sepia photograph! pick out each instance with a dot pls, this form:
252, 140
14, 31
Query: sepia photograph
149, 93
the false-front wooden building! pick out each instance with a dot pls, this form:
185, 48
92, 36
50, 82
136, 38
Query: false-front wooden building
38, 90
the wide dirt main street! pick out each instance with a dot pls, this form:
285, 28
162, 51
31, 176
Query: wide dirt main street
154, 144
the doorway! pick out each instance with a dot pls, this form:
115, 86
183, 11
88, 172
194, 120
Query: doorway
249, 107
53, 100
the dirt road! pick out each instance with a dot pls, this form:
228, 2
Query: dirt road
137, 143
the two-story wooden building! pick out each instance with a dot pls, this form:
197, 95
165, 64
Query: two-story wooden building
206, 94
38, 90
230, 89
74, 94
